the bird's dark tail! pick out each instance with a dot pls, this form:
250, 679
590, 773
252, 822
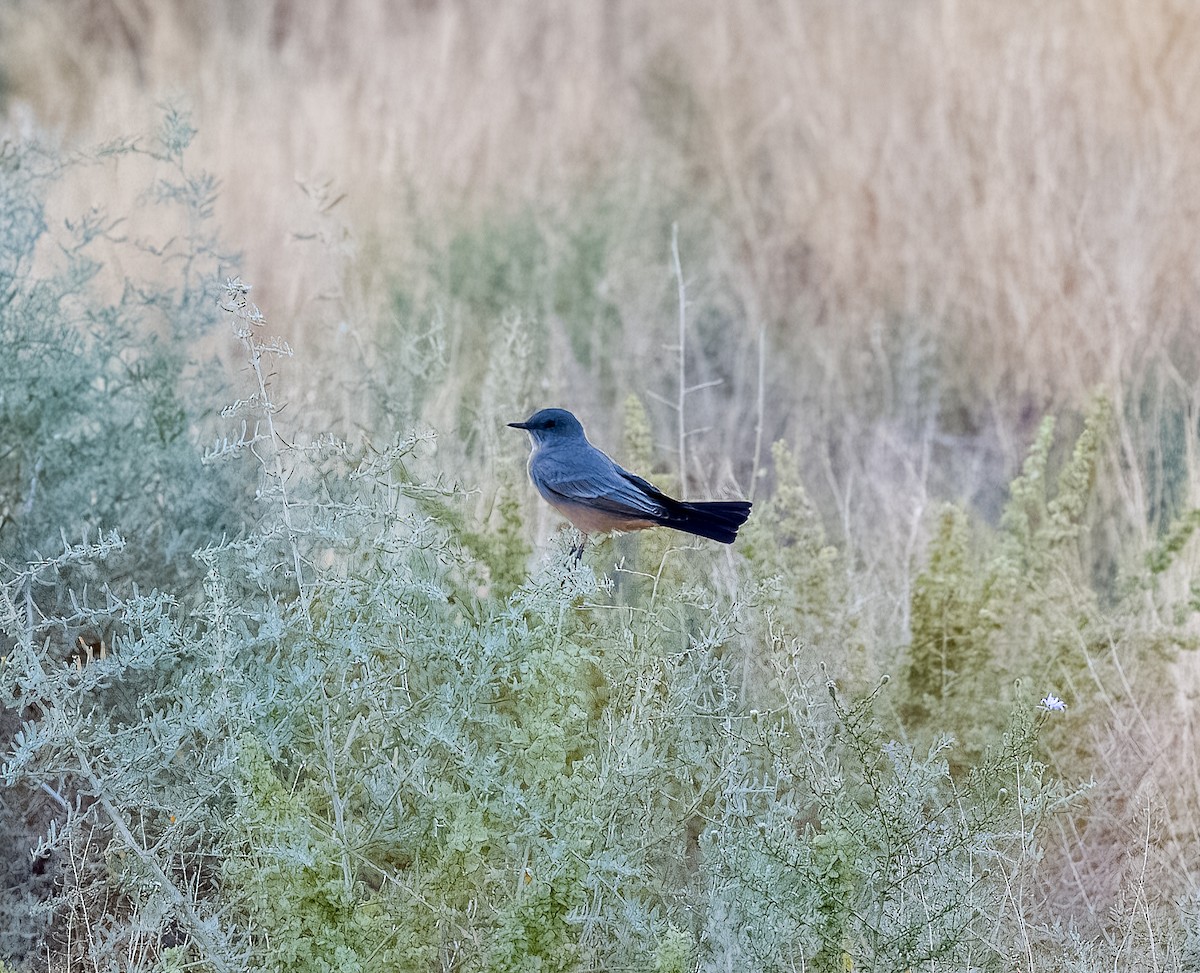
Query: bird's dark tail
717, 520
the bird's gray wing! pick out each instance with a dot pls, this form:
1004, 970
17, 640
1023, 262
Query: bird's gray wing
593, 480
646, 487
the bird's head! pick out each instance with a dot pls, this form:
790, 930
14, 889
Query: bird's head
551, 425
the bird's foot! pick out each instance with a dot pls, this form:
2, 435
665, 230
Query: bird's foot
577, 550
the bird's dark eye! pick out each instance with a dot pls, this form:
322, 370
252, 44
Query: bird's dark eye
550, 423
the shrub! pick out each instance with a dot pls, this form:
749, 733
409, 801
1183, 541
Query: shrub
361, 732
99, 409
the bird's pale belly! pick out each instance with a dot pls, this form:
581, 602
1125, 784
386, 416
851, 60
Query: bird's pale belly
592, 521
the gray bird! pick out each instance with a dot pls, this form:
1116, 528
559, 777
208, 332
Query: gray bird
596, 495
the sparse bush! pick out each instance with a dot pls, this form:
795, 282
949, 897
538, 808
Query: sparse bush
989, 608
100, 403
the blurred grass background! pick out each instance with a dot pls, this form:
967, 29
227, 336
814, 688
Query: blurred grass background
920, 228
908, 231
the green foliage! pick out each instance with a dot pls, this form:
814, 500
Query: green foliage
1040, 529
540, 275
534, 934
953, 624
540, 263
358, 731
1173, 541
100, 402
639, 440
1169, 575
1157, 412
676, 952
99, 394
784, 543
990, 608
869, 855
286, 875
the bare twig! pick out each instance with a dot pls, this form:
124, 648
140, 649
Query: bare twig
683, 388
760, 410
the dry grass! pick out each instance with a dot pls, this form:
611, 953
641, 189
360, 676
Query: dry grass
1015, 186
941, 219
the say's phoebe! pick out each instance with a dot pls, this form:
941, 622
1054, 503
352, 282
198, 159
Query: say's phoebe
596, 495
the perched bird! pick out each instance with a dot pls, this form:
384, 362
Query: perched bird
596, 495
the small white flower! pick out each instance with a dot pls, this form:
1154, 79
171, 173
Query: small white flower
1052, 704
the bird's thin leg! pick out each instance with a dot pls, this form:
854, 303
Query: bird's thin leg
578, 549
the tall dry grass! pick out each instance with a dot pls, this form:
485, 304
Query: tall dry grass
916, 228
1015, 184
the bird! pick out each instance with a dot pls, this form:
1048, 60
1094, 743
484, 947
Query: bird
596, 495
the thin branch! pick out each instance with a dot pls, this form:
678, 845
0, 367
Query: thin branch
760, 409
200, 930
683, 389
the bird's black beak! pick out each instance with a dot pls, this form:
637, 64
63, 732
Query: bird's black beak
519, 425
